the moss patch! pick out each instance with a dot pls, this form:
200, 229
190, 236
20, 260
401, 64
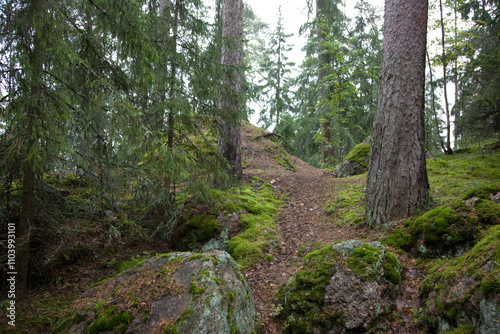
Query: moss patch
348, 204
304, 294
438, 231
257, 207
487, 211
359, 154
259, 227
452, 283
110, 320
450, 176
365, 262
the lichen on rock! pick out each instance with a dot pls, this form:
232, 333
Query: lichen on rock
170, 293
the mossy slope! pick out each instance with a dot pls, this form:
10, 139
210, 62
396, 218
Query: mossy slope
257, 208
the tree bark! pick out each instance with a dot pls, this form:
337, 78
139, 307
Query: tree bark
446, 106
397, 185
436, 122
328, 151
229, 143
23, 231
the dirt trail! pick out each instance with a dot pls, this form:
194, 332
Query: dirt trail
303, 224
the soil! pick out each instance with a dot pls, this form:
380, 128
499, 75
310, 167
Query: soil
303, 225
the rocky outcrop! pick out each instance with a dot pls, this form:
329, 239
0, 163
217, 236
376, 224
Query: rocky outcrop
170, 293
450, 230
343, 287
465, 291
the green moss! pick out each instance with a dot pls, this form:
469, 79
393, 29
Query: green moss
392, 269
110, 321
400, 238
365, 262
464, 329
195, 290
451, 176
487, 211
482, 192
195, 257
269, 258
304, 295
490, 285
348, 204
360, 154
259, 227
64, 325
440, 229
445, 273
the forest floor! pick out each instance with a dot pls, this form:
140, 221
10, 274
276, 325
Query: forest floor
317, 209
304, 224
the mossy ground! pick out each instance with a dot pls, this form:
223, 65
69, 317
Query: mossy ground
257, 206
451, 176
259, 226
348, 204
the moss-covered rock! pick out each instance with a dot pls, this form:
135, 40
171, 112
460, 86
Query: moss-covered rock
465, 291
170, 293
208, 229
483, 192
356, 161
344, 286
448, 230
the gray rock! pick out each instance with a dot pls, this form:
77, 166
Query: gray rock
357, 290
177, 292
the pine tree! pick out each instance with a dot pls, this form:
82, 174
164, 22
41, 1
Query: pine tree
229, 143
397, 184
275, 69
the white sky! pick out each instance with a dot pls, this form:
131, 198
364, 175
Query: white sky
294, 13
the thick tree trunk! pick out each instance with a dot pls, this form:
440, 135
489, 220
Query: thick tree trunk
229, 143
397, 185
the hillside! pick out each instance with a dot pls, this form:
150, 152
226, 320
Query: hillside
313, 210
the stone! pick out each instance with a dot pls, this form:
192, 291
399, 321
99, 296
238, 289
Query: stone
170, 293
343, 287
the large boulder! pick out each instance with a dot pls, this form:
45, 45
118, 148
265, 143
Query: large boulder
356, 162
449, 230
170, 293
464, 292
342, 287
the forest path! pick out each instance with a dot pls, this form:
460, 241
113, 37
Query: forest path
304, 225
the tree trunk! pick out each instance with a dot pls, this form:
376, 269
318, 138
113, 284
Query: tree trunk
397, 185
446, 106
434, 105
327, 150
23, 231
229, 143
